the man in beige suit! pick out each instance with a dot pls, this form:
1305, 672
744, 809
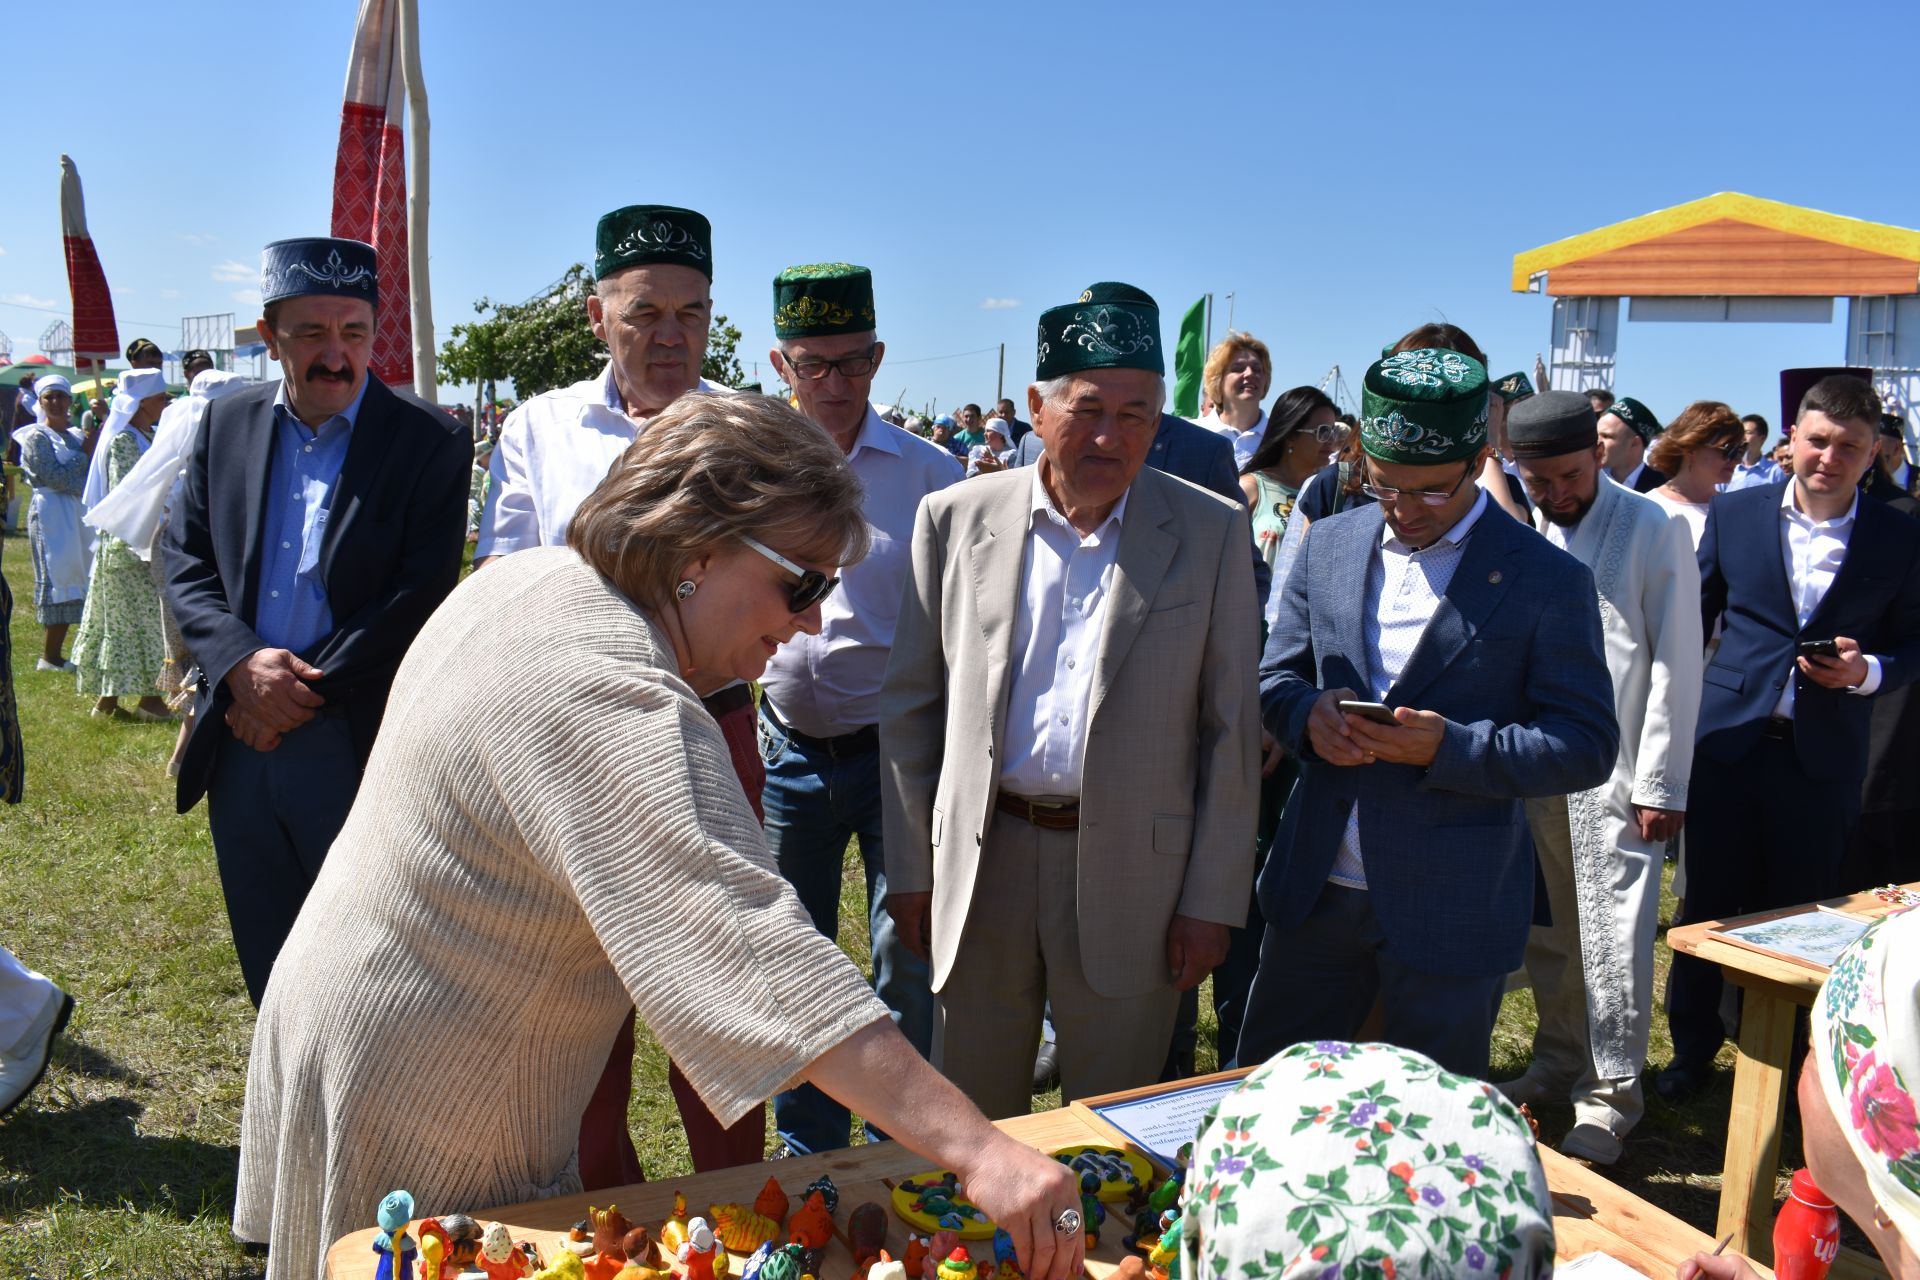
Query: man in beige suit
1069, 732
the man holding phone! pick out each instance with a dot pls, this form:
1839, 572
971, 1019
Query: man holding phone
1402, 867
1819, 594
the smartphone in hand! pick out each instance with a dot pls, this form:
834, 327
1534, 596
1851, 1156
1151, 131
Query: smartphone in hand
1378, 712
1818, 649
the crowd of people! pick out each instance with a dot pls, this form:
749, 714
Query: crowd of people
1357, 713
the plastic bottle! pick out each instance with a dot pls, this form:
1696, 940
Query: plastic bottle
1806, 1232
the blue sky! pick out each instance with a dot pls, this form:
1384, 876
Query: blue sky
1347, 171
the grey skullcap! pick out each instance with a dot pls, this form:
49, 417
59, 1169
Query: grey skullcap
1552, 423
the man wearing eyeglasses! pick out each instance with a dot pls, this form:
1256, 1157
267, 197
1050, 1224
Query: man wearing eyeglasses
652, 302
1600, 851
820, 696
1402, 869
1068, 718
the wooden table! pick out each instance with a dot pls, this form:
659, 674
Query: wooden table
1775, 989
1590, 1214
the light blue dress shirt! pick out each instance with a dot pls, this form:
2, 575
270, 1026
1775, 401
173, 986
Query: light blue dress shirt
302, 475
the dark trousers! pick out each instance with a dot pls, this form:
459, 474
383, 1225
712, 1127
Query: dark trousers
1885, 849
1761, 834
607, 1155
273, 815
1320, 980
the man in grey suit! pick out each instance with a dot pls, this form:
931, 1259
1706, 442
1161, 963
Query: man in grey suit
1074, 658
1402, 867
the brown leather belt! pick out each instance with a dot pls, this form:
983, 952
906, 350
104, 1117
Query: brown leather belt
1048, 817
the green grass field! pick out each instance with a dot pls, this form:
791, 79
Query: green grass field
122, 1164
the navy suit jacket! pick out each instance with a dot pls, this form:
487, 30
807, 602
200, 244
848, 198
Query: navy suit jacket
1513, 660
390, 554
1875, 600
1191, 452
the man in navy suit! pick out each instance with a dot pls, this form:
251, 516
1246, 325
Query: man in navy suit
1781, 749
321, 524
1402, 867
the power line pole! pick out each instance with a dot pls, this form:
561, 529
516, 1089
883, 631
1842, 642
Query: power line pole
1000, 379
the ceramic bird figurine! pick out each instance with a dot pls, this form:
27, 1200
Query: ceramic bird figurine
673, 1232
772, 1203
812, 1226
566, 1266
885, 1268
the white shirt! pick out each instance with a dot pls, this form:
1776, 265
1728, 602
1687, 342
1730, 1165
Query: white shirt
1814, 551
1064, 583
828, 684
554, 450
1403, 592
1692, 514
1244, 442
1633, 477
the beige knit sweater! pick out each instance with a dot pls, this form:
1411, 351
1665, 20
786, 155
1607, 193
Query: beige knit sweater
549, 829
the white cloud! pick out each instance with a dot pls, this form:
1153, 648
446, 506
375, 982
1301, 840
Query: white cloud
998, 304
231, 272
251, 297
28, 300
3, 251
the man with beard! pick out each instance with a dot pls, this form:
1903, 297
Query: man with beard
1600, 851
320, 525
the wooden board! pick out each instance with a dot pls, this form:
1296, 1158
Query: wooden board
1727, 256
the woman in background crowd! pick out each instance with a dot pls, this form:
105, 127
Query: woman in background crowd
54, 459
1235, 380
1700, 450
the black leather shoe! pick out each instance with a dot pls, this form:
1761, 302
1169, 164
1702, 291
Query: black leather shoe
1046, 1067
1680, 1082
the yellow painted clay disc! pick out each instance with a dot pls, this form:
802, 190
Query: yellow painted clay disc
926, 1223
1112, 1190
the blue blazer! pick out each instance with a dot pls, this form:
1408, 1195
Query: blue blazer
1875, 599
390, 554
1191, 452
1513, 659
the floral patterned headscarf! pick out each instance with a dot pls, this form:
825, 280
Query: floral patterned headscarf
1866, 1042
1364, 1159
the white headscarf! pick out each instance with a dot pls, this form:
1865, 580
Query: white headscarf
48, 382
135, 385
134, 509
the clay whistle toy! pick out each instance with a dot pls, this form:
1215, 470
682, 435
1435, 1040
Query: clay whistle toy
812, 1226
772, 1203
866, 1232
742, 1229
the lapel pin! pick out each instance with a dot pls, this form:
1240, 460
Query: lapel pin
1494, 576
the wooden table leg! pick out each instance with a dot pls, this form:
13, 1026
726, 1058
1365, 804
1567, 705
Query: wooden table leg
1753, 1128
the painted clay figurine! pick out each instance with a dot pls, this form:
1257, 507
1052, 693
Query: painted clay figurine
772, 1203
742, 1229
885, 1268
811, 1226
566, 1266
1005, 1264
866, 1232
828, 1192
610, 1228
673, 1232
396, 1211
453, 1240
942, 1243
1164, 1262
916, 1255
501, 1258
1092, 1212
959, 1266
579, 1241
696, 1256
756, 1262
786, 1263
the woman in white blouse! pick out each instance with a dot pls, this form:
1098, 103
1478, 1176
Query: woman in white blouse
1699, 449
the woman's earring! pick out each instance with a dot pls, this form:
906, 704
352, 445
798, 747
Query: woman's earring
686, 589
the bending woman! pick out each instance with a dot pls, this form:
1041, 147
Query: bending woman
517, 870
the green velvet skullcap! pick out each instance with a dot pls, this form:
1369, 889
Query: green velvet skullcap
1112, 326
1637, 416
1422, 408
822, 298
1515, 386
644, 234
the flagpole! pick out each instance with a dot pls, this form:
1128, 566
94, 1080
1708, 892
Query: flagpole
1208, 346
426, 379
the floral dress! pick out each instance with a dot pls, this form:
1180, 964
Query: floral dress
52, 467
121, 644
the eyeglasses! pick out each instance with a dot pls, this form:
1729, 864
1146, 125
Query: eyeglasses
1733, 452
813, 587
1332, 432
849, 366
1432, 497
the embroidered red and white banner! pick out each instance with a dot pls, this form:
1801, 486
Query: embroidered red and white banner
95, 336
370, 178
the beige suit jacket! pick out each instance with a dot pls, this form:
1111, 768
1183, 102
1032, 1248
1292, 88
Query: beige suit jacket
1171, 778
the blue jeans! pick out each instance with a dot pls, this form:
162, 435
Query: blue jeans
815, 803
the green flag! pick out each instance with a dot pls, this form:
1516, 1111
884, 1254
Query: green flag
1189, 357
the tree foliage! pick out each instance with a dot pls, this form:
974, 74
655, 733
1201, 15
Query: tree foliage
546, 342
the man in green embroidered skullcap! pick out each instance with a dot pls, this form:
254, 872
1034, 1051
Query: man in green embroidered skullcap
820, 694
1075, 653
1477, 644
1627, 427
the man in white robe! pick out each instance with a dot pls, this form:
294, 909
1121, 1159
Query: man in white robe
1601, 850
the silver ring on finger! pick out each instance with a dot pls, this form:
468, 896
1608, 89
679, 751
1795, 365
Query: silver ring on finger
1068, 1223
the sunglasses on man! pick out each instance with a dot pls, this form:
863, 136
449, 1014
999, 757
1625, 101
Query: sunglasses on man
813, 586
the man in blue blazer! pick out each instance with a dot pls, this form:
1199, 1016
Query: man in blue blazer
1781, 749
1402, 867
321, 524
